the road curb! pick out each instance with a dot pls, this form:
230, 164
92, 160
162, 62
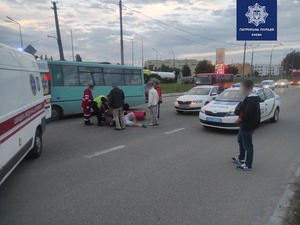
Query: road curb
280, 212
173, 94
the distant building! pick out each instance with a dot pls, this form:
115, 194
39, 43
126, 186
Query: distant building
177, 64
240, 67
264, 70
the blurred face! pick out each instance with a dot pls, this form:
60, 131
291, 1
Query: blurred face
244, 90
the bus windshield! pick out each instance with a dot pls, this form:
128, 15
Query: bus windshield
214, 79
204, 80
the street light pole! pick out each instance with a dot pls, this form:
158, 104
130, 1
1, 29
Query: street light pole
173, 59
271, 56
244, 58
156, 53
20, 28
253, 48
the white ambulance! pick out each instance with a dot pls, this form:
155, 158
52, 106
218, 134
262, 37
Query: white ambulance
22, 109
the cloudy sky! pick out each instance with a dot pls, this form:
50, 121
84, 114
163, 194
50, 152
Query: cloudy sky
192, 29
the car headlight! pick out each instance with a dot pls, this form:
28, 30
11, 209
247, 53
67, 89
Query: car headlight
276, 83
202, 110
196, 101
231, 114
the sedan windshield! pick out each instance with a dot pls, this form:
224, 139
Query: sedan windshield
230, 96
198, 91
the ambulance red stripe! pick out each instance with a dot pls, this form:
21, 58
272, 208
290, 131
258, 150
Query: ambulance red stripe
16, 120
20, 128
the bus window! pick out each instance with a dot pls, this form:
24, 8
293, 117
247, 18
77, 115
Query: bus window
70, 76
97, 73
132, 77
113, 76
56, 75
85, 76
99, 79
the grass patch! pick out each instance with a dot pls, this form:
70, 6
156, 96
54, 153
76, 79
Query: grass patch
293, 215
175, 88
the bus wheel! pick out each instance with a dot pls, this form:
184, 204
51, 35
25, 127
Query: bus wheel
56, 113
36, 151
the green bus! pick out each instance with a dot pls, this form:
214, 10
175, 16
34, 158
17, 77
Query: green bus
68, 80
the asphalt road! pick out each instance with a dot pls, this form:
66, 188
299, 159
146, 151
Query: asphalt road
176, 174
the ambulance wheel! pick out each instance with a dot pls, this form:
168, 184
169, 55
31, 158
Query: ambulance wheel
36, 151
56, 113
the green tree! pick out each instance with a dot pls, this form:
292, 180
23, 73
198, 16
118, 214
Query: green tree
291, 62
78, 58
204, 67
165, 68
186, 71
231, 69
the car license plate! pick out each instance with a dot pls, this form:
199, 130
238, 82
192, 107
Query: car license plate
216, 120
184, 106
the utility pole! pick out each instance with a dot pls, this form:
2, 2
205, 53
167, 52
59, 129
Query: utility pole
60, 47
142, 53
72, 45
132, 52
244, 58
121, 33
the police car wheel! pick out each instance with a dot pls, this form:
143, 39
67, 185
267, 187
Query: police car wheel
36, 151
275, 118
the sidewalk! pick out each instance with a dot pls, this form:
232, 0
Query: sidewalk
283, 207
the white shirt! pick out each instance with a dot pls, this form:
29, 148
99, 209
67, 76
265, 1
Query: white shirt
153, 97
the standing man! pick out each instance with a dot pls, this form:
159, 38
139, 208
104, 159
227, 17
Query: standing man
152, 105
249, 120
158, 89
86, 104
116, 102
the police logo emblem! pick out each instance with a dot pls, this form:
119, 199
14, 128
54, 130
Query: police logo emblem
256, 14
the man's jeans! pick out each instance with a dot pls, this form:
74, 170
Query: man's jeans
245, 142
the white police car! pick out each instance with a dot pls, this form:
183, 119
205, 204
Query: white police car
220, 112
194, 99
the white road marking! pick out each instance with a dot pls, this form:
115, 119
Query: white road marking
174, 131
105, 151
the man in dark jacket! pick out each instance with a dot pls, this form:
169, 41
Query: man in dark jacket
248, 120
116, 102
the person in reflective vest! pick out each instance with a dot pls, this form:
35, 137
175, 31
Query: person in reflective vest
100, 107
86, 104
